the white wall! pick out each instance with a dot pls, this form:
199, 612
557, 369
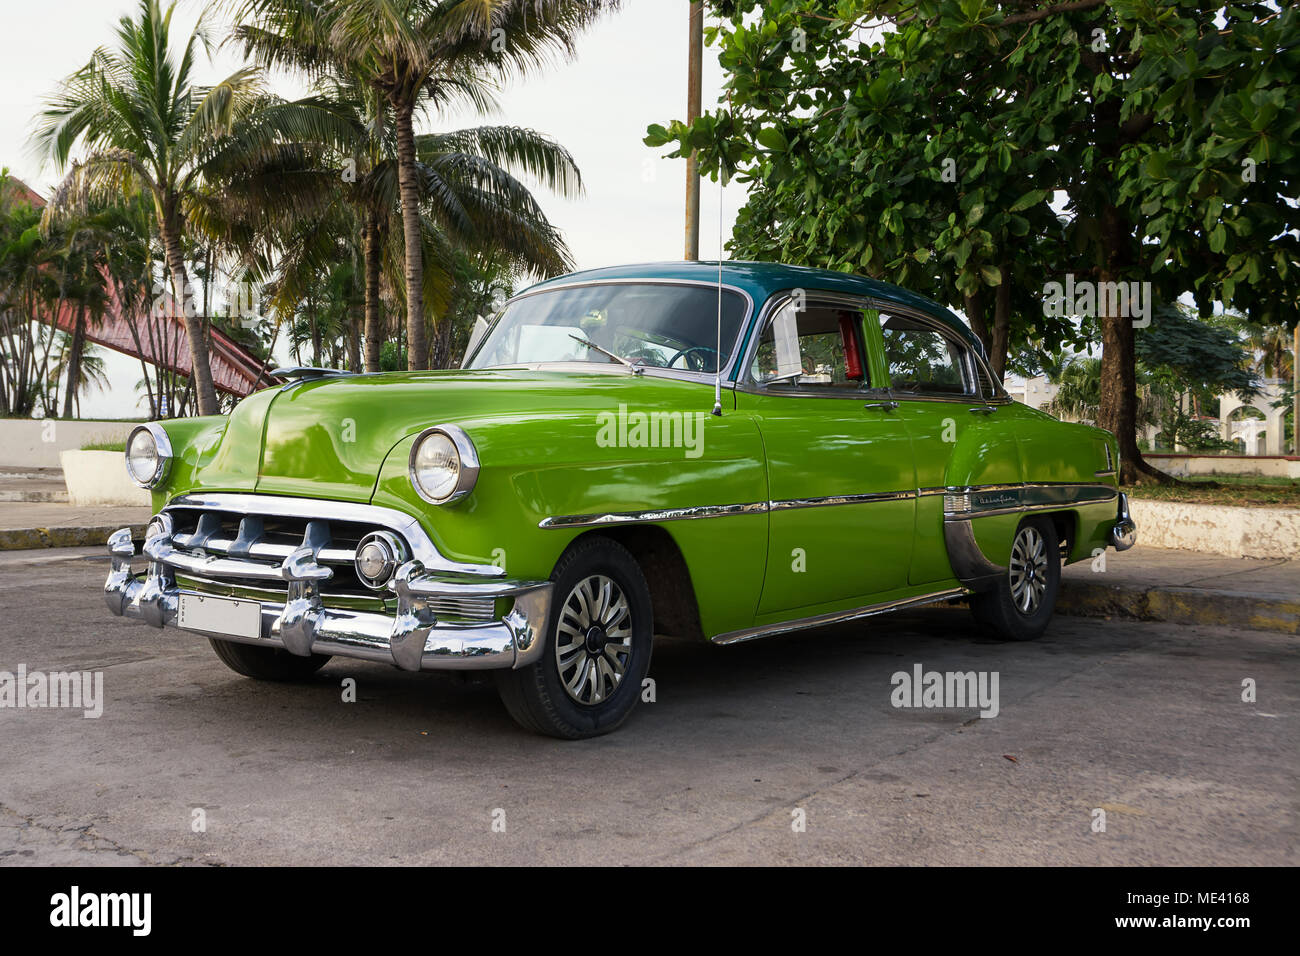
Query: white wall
31, 443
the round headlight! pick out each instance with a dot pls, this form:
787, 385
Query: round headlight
444, 464
148, 453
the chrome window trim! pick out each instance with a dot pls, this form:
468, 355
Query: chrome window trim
422, 547
744, 379
974, 361
728, 378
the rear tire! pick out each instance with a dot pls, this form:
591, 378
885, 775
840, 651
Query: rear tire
266, 663
599, 637
1020, 606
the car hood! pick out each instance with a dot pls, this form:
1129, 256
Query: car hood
329, 437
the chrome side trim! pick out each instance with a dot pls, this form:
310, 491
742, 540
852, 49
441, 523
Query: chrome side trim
422, 548
836, 617
960, 503
829, 500
662, 514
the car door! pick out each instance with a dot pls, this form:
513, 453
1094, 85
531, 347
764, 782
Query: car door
942, 393
839, 470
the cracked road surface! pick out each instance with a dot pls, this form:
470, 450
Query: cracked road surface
1143, 721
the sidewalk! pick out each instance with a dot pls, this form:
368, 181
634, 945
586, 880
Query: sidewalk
32, 484
1187, 587
35, 524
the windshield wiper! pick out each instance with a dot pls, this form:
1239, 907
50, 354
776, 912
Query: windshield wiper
636, 369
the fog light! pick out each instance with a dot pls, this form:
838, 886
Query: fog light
379, 554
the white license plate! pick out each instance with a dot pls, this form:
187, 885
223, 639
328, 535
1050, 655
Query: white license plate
218, 615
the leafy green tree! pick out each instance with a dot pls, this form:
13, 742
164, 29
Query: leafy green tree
933, 155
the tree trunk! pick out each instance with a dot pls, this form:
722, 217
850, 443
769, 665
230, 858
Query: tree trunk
72, 368
975, 314
354, 338
416, 343
374, 330
1118, 401
1001, 324
200, 370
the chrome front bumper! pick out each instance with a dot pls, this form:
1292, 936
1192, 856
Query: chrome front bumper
412, 639
1124, 534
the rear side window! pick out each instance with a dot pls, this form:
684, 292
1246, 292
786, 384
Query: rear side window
924, 360
818, 347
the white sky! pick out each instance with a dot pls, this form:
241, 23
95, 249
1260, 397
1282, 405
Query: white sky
630, 72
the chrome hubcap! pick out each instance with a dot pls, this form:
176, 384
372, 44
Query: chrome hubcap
1028, 570
593, 640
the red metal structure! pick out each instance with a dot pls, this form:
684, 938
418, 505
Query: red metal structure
159, 337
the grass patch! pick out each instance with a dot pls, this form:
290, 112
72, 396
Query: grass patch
1241, 490
105, 446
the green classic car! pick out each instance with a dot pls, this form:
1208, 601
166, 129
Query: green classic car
588, 481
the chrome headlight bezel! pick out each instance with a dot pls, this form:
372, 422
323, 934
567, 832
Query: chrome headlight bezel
467, 475
162, 455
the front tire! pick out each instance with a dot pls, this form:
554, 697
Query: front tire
599, 638
1020, 606
266, 663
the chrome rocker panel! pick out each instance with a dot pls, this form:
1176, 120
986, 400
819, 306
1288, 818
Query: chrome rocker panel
412, 639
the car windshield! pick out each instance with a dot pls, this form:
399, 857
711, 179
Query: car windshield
655, 325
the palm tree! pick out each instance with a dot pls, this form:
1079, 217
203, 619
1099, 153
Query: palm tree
144, 123
469, 197
416, 55
83, 366
28, 286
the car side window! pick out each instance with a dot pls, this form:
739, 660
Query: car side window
818, 347
924, 360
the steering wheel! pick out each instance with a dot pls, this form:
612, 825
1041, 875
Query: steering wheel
694, 348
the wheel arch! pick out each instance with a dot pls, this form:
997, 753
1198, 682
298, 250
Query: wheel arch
673, 602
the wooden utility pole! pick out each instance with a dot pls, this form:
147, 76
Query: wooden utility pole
1295, 398
695, 64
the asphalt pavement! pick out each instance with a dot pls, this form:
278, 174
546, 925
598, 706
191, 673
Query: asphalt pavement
1144, 726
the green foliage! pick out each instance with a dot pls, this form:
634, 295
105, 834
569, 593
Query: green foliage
930, 154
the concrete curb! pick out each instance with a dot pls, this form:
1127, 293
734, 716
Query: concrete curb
20, 539
1182, 605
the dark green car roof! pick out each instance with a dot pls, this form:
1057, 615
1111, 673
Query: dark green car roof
761, 279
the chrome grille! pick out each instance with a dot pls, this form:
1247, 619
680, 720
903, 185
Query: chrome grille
247, 551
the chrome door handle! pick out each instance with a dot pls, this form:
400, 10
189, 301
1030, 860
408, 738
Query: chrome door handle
983, 410
881, 406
